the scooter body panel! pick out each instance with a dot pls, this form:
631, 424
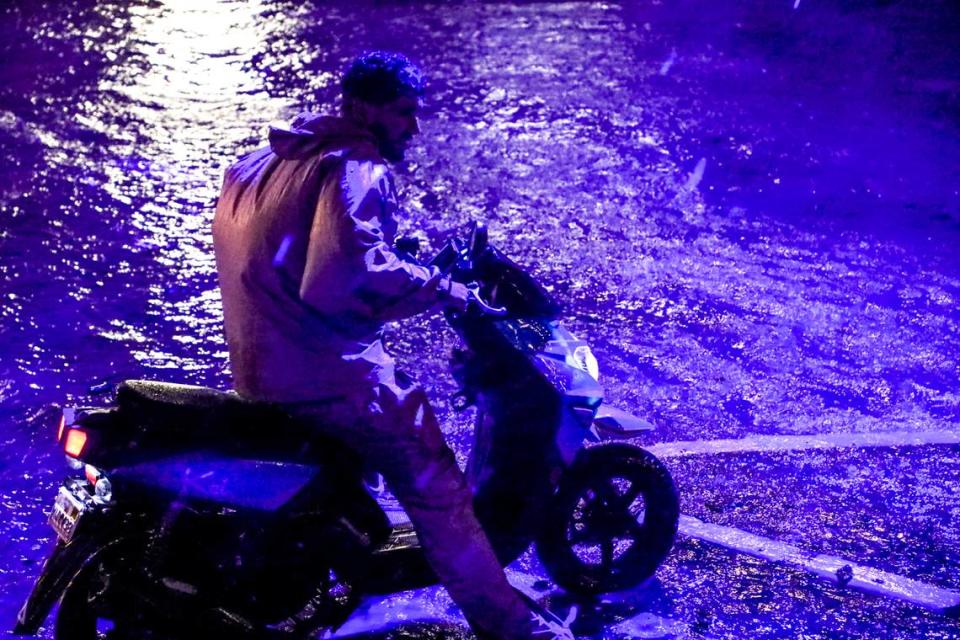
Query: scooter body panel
261, 485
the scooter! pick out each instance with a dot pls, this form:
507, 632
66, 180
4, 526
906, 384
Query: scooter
195, 511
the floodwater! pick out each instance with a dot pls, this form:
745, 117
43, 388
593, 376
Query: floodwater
750, 210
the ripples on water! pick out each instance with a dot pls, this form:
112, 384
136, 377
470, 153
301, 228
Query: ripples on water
571, 128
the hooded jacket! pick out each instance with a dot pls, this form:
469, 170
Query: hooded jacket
303, 236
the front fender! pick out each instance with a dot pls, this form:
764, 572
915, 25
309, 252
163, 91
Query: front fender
60, 569
612, 423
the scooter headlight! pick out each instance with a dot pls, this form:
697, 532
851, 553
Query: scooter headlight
586, 361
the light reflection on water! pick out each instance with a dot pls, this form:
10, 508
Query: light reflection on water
191, 104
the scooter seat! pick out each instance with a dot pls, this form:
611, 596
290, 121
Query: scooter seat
189, 406
165, 394
186, 415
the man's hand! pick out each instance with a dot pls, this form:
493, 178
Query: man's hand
454, 295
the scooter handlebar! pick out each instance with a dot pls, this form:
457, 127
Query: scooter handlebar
447, 259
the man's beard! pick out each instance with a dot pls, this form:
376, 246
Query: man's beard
391, 152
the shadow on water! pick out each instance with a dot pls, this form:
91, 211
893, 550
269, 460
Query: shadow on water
839, 116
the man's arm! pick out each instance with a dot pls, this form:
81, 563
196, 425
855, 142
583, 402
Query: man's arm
350, 262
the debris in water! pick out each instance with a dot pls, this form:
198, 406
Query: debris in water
703, 618
696, 176
649, 625
665, 67
844, 575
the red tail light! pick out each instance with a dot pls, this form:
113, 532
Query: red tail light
76, 440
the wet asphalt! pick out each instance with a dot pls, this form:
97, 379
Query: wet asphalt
750, 211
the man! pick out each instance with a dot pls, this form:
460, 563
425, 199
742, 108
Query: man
303, 237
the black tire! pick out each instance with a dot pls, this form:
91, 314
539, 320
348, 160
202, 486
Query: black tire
94, 609
612, 521
99, 604
81, 615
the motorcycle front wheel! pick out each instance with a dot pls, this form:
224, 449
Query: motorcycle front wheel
612, 521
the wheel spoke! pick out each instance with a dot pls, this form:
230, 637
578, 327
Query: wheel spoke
606, 554
635, 530
578, 536
607, 492
627, 499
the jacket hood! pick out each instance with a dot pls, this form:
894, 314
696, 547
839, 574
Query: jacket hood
310, 133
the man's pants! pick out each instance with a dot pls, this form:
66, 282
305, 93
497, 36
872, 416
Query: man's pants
394, 428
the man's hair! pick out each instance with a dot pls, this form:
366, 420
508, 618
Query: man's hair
379, 77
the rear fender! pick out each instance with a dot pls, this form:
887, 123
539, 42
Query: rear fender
60, 569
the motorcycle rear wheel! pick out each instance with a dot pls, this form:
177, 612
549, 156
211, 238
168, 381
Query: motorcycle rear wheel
93, 609
99, 603
612, 521
82, 614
